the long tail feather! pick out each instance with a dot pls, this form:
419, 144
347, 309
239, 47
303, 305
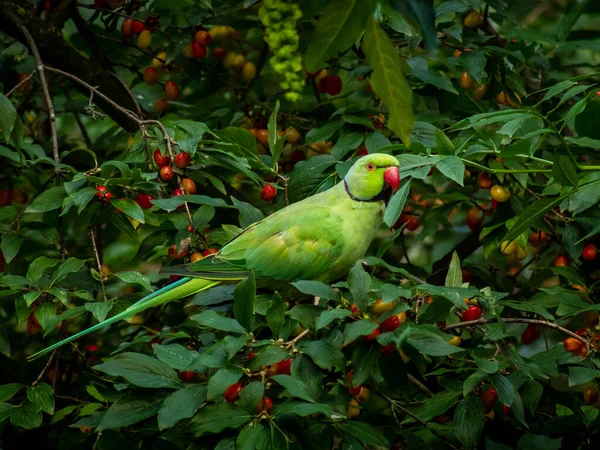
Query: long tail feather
174, 291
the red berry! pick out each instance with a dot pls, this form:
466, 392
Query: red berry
530, 334
203, 37
372, 336
561, 261
187, 376
466, 275
144, 200
218, 53
353, 390
150, 76
265, 404
232, 392
182, 160
171, 90
210, 251
580, 332
505, 410
572, 345
412, 222
166, 173
386, 349
334, 85
354, 309
473, 313
322, 85
284, 367
127, 28
103, 193
443, 418
137, 27
589, 252
390, 324
251, 356
160, 159
177, 192
489, 397
173, 252
362, 151
538, 238
474, 219
268, 193
198, 50
6, 197
91, 348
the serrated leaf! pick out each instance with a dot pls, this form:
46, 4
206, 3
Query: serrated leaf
388, 81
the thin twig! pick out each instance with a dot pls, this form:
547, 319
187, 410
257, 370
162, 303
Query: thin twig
420, 385
294, 341
21, 83
133, 99
397, 405
38, 379
544, 323
98, 262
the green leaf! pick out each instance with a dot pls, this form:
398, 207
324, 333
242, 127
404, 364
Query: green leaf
222, 380
62, 413
253, 436
276, 314
8, 117
532, 392
437, 405
251, 395
214, 296
324, 354
453, 168
430, 344
387, 80
454, 275
7, 391
129, 207
243, 301
505, 389
5, 410
269, 355
212, 319
396, 204
99, 309
564, 170
125, 412
365, 433
305, 314
215, 418
531, 215
141, 370
469, 418
26, 415
248, 213
340, 26
176, 356
48, 200
42, 396
346, 144
360, 283
580, 375
181, 404
294, 387
326, 317
10, 246
537, 441
39, 266
354, 330
71, 265
135, 278
316, 289
365, 360
275, 141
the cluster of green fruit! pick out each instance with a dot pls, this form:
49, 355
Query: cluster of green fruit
279, 18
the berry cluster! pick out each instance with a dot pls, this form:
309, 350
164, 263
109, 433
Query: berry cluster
280, 19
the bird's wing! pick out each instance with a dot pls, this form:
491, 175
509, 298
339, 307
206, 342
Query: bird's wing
300, 244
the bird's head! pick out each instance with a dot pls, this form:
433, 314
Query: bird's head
372, 176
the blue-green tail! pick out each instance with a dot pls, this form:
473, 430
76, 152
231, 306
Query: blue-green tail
174, 291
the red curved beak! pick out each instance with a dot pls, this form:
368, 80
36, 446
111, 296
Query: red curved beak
391, 177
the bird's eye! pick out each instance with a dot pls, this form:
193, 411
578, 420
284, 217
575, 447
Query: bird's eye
370, 167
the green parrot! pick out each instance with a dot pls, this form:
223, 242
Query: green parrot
319, 238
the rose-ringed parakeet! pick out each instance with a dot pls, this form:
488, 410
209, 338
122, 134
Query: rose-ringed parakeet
319, 238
